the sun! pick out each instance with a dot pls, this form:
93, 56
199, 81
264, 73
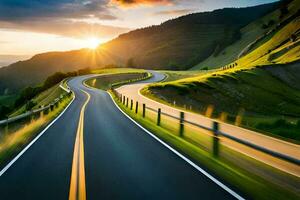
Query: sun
92, 43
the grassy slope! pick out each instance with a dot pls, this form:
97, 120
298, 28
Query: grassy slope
117, 70
20, 134
105, 82
43, 98
263, 96
260, 87
183, 42
251, 34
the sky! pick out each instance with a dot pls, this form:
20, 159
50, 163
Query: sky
28, 27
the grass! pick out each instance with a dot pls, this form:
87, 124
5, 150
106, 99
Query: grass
106, 82
117, 70
256, 42
42, 99
176, 75
16, 138
263, 86
258, 92
251, 185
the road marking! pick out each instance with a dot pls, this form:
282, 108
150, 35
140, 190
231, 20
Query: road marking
77, 183
216, 181
34, 140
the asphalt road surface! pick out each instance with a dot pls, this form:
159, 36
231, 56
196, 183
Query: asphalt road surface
95, 151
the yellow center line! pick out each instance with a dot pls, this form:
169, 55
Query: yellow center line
77, 184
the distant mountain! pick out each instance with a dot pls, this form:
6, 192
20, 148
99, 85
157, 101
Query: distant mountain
9, 59
176, 44
35, 70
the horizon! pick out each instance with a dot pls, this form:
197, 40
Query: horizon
104, 22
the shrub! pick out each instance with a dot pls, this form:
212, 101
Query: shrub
30, 105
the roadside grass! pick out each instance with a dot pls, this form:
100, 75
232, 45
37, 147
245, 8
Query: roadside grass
176, 75
15, 137
42, 99
109, 81
256, 93
117, 70
241, 179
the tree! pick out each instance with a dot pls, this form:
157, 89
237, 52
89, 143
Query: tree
30, 104
4, 111
283, 11
54, 79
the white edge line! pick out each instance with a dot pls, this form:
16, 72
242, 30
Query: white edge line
223, 186
34, 140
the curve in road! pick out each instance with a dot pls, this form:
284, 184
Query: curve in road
121, 161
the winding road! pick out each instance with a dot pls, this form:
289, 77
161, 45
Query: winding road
93, 151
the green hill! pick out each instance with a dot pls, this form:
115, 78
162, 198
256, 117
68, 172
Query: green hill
256, 34
262, 85
183, 42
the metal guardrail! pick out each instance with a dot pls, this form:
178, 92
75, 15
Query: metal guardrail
29, 113
214, 129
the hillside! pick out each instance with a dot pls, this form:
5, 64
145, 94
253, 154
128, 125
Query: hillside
176, 44
183, 42
33, 71
262, 85
255, 34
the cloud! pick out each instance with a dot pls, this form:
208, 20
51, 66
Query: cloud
32, 9
174, 12
130, 3
62, 17
67, 28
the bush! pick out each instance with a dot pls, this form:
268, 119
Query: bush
54, 79
282, 128
4, 111
30, 105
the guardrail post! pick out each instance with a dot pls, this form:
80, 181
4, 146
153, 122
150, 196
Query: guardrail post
51, 107
144, 110
127, 102
181, 124
215, 139
136, 107
158, 117
121, 97
123, 100
131, 104
31, 117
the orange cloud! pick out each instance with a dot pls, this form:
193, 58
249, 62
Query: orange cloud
129, 3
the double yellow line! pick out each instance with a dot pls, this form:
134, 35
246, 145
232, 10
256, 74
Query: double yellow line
77, 185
